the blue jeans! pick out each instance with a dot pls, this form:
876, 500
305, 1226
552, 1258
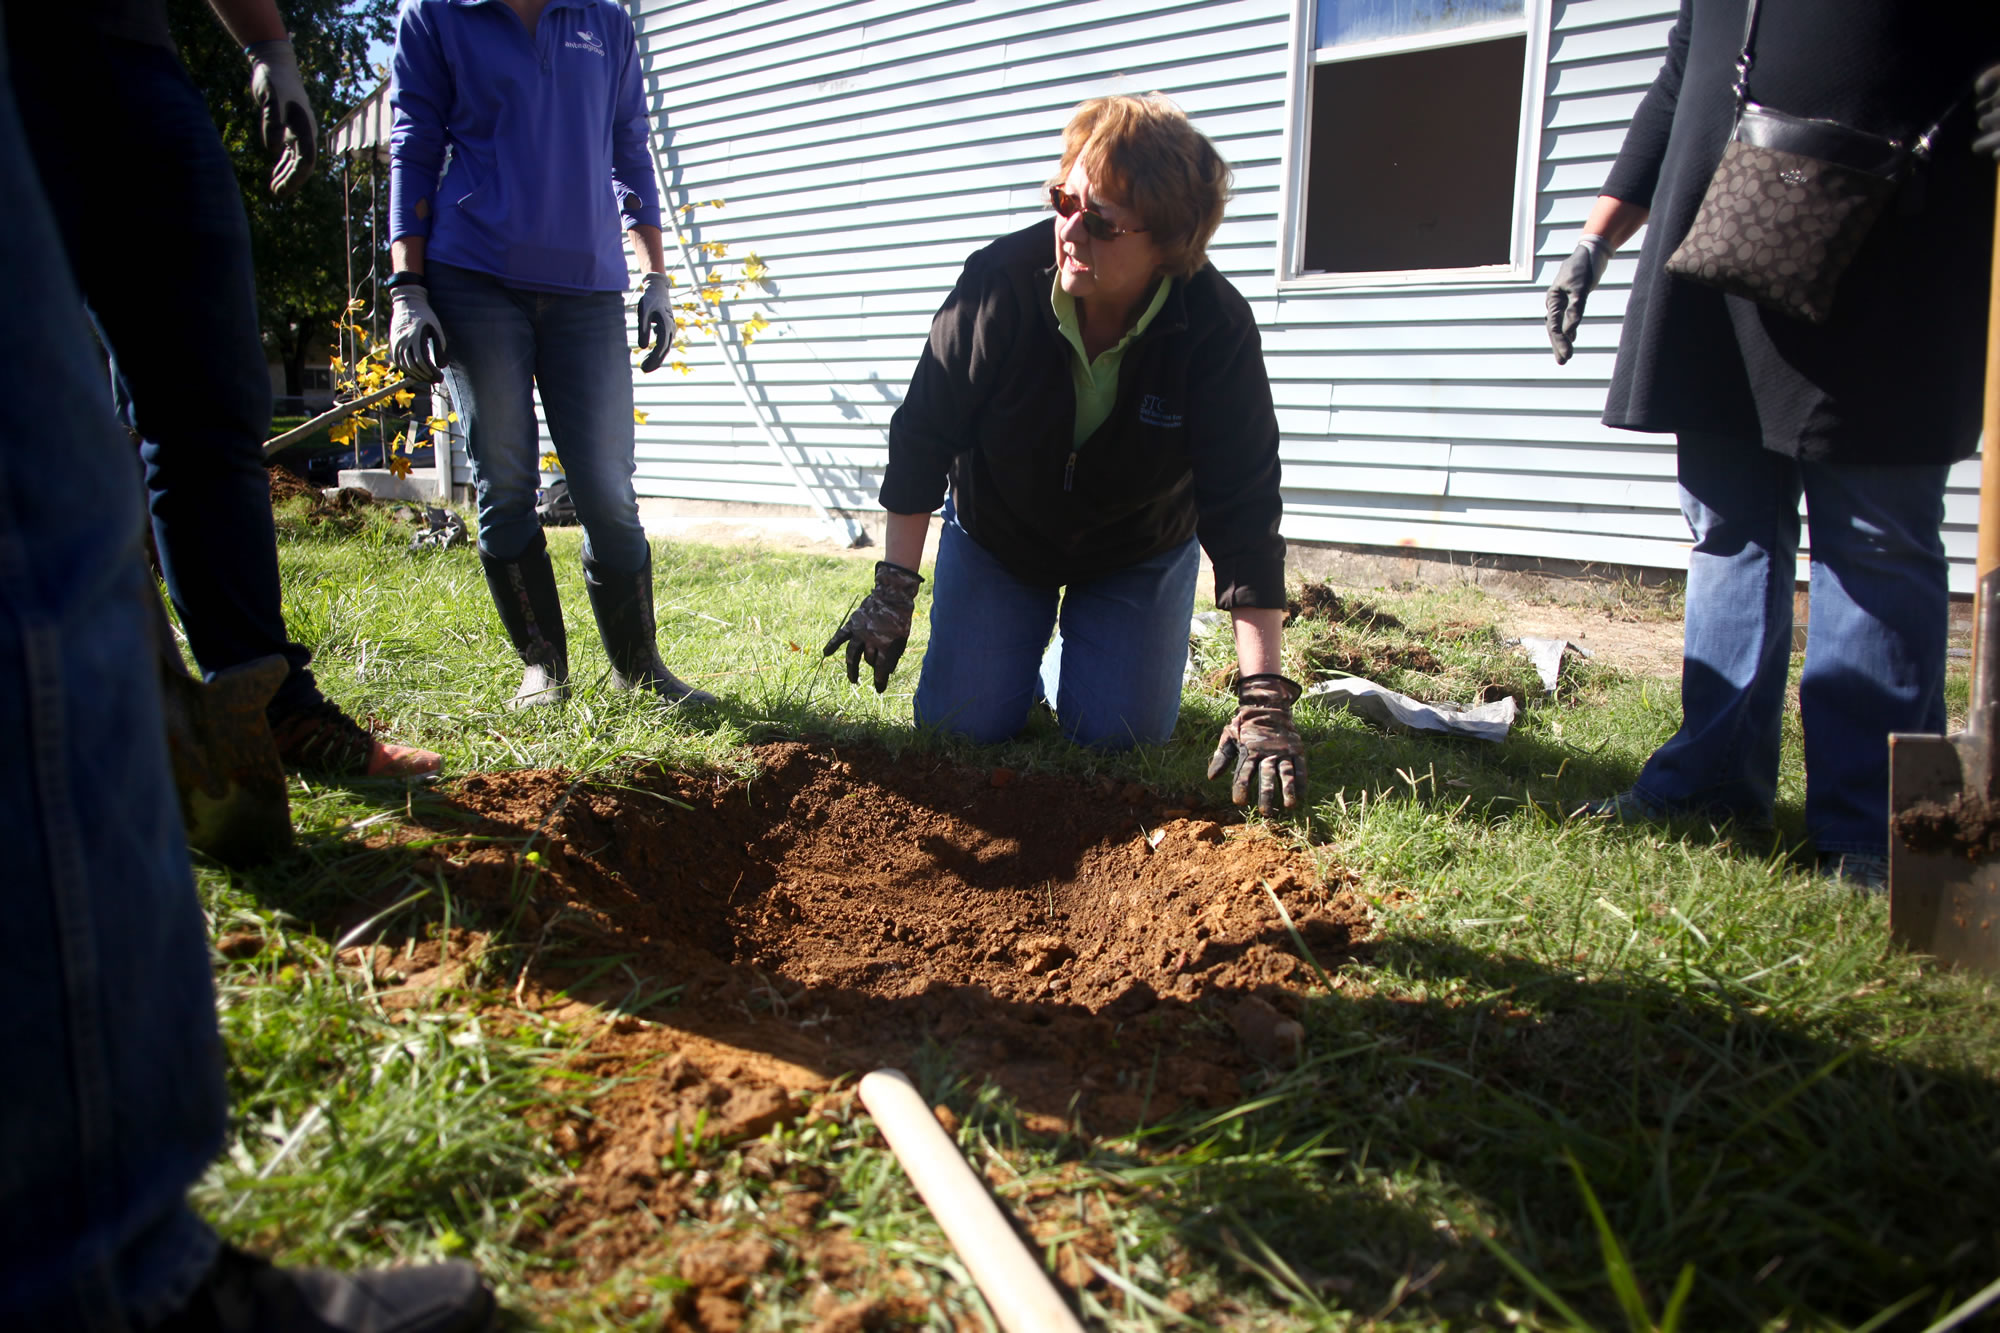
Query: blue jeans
114, 1099
180, 321
505, 342
1875, 643
1115, 670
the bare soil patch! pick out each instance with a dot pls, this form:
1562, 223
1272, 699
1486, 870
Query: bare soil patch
1107, 955
1642, 647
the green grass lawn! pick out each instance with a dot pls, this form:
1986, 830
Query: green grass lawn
1586, 1075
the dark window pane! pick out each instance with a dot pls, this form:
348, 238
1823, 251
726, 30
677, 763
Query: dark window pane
1411, 163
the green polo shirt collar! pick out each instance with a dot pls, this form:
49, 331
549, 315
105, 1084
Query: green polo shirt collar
1097, 381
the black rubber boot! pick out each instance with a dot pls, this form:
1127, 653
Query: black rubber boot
524, 590
624, 607
243, 1294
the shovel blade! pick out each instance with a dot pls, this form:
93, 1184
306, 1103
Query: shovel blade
1944, 868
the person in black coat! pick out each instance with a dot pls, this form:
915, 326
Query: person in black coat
1863, 414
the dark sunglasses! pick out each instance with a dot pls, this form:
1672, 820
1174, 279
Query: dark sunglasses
1068, 205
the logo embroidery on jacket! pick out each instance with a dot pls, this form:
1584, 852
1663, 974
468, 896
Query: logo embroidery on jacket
586, 41
1153, 411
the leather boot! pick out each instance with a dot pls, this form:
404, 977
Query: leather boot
623, 604
524, 590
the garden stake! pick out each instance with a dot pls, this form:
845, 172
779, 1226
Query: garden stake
1015, 1287
1944, 823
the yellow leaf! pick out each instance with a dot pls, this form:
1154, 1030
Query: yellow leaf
638, 417
402, 398
399, 465
755, 269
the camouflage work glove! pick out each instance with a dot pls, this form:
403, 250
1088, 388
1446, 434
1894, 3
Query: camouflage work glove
1987, 89
879, 629
1263, 744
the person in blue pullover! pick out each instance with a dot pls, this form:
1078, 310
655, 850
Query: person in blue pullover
518, 149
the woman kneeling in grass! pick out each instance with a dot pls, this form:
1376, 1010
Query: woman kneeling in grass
1092, 410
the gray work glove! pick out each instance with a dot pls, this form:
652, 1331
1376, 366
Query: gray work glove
1987, 89
879, 628
416, 339
1266, 749
1575, 280
656, 321
287, 126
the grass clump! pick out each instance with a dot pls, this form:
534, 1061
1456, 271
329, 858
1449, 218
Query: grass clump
1585, 1075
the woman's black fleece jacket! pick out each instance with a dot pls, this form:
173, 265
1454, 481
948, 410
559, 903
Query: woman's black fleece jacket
1190, 448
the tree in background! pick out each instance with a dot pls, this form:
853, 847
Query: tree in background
299, 243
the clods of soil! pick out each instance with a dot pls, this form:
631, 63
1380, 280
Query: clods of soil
1106, 955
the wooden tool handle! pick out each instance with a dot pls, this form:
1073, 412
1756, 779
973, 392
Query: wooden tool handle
1989, 464
1019, 1293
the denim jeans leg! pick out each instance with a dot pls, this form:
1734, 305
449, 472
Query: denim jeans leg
490, 345
988, 630
114, 1102
1875, 640
1742, 503
1125, 651
182, 329
585, 374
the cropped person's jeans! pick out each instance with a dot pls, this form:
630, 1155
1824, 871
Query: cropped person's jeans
1875, 641
114, 1099
179, 320
1114, 671
503, 344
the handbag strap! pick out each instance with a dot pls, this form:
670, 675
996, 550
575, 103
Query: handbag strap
1744, 60
1920, 148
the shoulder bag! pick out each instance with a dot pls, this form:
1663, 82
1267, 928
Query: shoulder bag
1791, 202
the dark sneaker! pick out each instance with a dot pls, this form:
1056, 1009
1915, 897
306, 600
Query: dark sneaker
244, 1294
1861, 870
1627, 807
1632, 807
319, 738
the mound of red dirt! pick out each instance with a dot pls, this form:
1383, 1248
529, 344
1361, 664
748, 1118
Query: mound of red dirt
1106, 955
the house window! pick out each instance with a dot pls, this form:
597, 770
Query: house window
316, 381
1414, 138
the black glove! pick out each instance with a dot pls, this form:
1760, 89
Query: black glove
656, 321
1987, 89
1263, 744
1575, 280
879, 629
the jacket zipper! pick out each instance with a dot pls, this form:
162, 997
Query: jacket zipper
1069, 470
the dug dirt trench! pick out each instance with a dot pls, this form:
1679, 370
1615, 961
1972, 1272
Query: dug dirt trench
1106, 955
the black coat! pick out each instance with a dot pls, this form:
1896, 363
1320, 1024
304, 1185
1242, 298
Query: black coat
1895, 375
1190, 449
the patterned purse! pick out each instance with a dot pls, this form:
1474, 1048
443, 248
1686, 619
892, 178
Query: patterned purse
1791, 202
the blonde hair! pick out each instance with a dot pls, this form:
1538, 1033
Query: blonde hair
1144, 153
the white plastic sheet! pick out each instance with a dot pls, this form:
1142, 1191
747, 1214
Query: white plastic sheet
1399, 712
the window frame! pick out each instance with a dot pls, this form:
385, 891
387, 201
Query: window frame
1304, 59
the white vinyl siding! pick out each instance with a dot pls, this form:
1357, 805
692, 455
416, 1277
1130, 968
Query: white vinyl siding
864, 149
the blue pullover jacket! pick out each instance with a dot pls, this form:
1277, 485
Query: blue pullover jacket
520, 156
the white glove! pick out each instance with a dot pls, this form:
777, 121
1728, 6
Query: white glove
287, 124
1575, 280
656, 320
416, 339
